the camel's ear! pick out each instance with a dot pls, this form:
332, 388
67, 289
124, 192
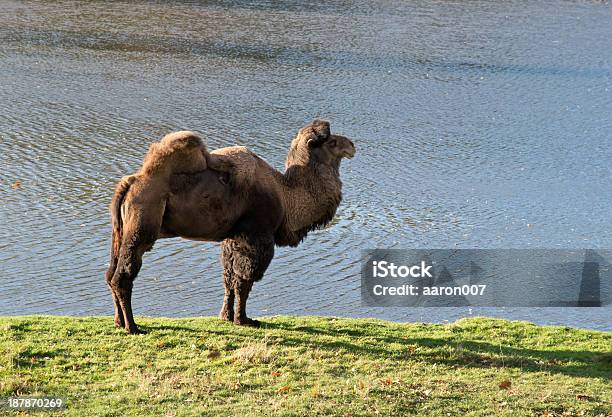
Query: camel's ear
320, 130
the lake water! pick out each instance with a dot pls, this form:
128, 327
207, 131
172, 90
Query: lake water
478, 124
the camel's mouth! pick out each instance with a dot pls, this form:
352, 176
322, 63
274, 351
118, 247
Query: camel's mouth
349, 154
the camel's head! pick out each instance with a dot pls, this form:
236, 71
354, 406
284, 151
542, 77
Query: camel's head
315, 144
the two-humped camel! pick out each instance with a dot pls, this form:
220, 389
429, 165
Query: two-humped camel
228, 195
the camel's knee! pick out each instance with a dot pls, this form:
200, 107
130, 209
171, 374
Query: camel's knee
128, 266
243, 287
109, 275
112, 267
122, 284
130, 255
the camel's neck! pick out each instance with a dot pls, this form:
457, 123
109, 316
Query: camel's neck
311, 195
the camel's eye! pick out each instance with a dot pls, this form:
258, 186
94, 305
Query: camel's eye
332, 143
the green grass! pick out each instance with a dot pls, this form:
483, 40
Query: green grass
307, 366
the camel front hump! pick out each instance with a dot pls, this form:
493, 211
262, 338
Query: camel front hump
244, 164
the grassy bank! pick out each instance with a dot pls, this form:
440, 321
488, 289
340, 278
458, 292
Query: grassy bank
307, 366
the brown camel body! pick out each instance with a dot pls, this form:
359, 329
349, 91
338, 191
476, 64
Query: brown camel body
237, 199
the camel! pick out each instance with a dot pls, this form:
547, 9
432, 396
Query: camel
229, 195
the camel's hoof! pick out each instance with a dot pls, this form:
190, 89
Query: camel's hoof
135, 330
226, 315
248, 322
119, 322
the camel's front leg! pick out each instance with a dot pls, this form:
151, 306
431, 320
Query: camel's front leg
227, 311
242, 289
245, 259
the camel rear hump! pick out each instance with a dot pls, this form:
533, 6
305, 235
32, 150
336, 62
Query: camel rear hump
177, 153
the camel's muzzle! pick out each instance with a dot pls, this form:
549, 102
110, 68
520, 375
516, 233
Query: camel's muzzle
350, 153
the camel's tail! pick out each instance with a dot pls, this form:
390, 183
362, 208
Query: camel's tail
115, 208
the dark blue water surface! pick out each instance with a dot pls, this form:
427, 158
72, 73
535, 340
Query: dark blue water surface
478, 124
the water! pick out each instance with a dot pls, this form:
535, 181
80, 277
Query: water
478, 125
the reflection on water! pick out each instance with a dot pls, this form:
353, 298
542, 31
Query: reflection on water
480, 125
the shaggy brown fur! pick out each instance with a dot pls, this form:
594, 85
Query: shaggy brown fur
250, 207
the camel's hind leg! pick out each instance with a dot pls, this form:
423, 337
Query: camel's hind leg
119, 321
245, 259
128, 265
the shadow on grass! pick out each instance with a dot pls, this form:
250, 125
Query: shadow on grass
451, 351
171, 328
462, 353
33, 358
21, 326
